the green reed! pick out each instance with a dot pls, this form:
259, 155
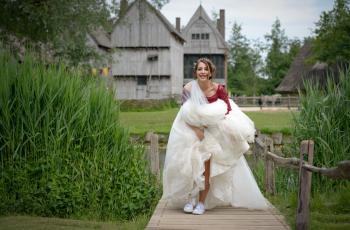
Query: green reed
63, 151
325, 118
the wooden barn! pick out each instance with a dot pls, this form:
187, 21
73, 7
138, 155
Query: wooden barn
148, 57
204, 38
100, 41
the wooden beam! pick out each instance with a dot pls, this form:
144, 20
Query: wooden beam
342, 171
292, 162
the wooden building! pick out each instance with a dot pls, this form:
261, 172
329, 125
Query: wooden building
148, 57
100, 41
204, 38
301, 70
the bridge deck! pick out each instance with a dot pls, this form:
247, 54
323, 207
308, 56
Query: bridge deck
217, 218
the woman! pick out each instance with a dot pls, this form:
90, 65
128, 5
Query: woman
204, 165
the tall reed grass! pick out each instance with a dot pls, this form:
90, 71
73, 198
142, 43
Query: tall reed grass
325, 118
63, 151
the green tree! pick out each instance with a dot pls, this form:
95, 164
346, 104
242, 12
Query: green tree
332, 42
280, 53
158, 4
243, 64
60, 25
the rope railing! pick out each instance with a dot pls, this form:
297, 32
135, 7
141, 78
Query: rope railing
305, 167
265, 148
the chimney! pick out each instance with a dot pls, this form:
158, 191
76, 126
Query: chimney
221, 23
178, 24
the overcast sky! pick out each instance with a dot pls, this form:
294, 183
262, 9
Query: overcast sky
298, 17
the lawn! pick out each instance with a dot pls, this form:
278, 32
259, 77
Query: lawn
161, 121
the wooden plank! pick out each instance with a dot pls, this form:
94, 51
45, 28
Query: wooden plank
165, 217
203, 227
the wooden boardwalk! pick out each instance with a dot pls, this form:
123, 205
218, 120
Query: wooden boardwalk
217, 218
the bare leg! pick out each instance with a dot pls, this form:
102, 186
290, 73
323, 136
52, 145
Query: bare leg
203, 193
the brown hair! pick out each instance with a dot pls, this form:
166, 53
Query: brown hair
208, 63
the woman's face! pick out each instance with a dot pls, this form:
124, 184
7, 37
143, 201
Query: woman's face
202, 72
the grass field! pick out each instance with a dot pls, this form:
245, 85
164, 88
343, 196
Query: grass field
161, 121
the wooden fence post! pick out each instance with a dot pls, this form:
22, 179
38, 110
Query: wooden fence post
154, 155
306, 149
269, 169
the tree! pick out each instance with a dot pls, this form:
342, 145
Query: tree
243, 64
280, 54
60, 25
158, 4
332, 42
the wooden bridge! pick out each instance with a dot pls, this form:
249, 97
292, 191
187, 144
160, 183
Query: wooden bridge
165, 217
217, 218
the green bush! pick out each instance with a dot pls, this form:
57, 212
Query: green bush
62, 150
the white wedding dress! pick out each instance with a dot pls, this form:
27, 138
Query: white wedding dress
225, 141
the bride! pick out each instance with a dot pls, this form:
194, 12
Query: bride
204, 164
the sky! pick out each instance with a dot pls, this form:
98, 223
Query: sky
297, 17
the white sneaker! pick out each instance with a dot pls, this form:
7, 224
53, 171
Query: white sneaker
188, 207
199, 209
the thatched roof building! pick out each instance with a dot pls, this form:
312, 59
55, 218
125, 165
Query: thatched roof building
301, 70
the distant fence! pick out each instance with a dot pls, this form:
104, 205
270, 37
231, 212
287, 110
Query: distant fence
267, 101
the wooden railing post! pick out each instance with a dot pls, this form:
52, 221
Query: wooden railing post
154, 155
302, 221
270, 187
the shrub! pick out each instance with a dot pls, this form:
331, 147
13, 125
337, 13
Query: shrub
63, 150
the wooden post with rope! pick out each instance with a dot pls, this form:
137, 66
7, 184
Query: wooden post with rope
270, 187
303, 213
153, 153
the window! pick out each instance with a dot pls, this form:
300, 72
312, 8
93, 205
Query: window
195, 36
205, 36
202, 36
141, 80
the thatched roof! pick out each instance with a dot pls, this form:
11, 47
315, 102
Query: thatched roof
300, 70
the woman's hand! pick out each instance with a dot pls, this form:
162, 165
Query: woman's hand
198, 131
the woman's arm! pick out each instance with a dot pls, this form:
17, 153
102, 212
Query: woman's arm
222, 94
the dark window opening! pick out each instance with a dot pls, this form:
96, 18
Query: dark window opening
141, 80
205, 36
